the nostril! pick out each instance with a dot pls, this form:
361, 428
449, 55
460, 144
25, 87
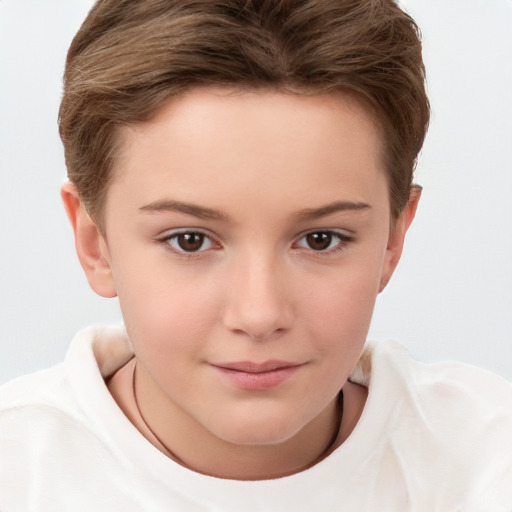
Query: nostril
259, 335
267, 335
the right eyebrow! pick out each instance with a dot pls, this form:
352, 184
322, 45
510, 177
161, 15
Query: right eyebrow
194, 210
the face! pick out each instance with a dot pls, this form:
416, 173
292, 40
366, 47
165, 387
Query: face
247, 235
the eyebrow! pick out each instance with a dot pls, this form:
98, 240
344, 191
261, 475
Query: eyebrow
187, 208
202, 212
329, 209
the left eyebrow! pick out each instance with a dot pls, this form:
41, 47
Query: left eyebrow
329, 209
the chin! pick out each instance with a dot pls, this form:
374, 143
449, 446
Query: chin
257, 431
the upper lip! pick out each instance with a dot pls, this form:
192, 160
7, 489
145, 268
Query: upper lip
253, 367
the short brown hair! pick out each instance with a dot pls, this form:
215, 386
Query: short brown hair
131, 56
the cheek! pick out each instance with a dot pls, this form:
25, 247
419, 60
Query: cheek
341, 307
166, 311
335, 320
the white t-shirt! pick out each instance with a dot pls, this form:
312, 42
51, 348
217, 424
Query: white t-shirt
431, 438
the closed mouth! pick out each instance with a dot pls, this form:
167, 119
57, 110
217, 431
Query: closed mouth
252, 367
251, 376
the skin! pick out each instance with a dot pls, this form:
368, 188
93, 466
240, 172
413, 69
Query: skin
257, 172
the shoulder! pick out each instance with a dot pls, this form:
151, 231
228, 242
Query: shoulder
58, 426
448, 423
59, 415
42, 387
93, 354
455, 384
388, 363
456, 397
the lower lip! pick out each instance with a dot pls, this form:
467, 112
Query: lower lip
257, 381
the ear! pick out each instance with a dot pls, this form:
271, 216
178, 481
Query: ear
91, 246
397, 237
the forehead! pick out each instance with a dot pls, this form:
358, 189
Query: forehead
209, 144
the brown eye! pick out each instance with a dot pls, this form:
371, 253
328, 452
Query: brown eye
319, 241
190, 241
324, 241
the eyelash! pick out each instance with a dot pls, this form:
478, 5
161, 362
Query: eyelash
343, 240
166, 240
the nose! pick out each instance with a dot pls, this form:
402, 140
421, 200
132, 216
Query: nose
259, 304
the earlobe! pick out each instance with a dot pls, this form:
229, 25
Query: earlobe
91, 246
397, 237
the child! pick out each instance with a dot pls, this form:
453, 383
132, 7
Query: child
241, 178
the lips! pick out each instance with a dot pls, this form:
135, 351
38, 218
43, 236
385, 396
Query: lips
250, 367
252, 376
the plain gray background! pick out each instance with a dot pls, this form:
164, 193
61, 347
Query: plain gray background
451, 297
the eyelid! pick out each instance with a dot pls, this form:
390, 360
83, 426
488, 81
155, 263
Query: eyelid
178, 231
171, 233
345, 237
343, 233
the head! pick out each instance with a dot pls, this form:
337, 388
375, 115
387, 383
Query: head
240, 176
